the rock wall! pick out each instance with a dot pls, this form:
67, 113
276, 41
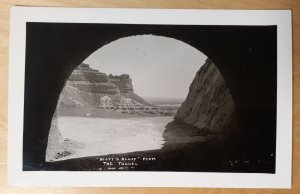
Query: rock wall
123, 82
209, 104
54, 139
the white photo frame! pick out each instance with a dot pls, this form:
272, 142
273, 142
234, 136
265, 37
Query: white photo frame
280, 18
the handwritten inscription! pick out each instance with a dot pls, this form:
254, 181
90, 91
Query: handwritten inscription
123, 163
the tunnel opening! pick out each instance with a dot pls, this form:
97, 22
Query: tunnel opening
122, 97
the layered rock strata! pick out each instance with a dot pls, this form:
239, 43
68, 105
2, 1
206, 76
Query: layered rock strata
88, 89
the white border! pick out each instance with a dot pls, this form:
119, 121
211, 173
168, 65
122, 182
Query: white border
21, 15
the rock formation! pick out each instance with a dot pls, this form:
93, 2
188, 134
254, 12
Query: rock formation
86, 86
87, 79
123, 82
209, 104
89, 89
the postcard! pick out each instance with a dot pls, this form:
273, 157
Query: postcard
150, 98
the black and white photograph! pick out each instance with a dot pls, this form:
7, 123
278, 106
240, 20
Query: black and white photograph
151, 97
152, 101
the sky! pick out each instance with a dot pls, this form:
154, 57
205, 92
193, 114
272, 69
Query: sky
159, 67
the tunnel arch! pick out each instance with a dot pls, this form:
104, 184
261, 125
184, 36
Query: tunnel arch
239, 52
131, 51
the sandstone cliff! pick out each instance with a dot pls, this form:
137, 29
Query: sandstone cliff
89, 80
123, 82
209, 104
88, 89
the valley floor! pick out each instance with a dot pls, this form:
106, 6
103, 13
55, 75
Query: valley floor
184, 150
102, 136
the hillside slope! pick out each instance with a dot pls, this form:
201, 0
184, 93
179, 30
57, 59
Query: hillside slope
209, 104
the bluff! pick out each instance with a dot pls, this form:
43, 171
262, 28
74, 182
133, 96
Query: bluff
123, 82
89, 88
209, 104
87, 79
